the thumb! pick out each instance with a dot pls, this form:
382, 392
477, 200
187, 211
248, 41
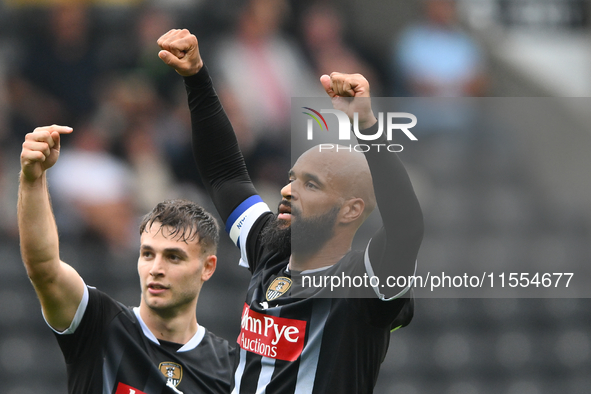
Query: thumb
169, 59
325, 81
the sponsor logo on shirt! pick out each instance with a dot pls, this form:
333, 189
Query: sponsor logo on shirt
277, 288
173, 372
271, 336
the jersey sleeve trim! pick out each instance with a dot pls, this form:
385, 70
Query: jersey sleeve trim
236, 223
77, 317
376, 289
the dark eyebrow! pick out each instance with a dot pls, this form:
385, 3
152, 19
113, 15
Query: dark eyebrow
178, 251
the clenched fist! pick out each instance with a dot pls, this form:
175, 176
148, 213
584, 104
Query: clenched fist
41, 150
350, 94
180, 50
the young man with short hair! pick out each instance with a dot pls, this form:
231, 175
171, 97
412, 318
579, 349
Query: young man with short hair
156, 348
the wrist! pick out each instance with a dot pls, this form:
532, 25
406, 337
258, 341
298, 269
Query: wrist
198, 67
367, 121
200, 78
32, 182
192, 71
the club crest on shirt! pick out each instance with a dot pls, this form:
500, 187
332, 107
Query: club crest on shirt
277, 288
173, 372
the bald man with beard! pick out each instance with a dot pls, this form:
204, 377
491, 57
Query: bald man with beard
318, 343
313, 240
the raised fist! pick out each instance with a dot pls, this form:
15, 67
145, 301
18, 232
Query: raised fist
41, 150
180, 50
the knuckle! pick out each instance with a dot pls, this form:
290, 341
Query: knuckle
40, 131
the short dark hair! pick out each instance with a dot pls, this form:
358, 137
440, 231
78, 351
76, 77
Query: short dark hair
187, 221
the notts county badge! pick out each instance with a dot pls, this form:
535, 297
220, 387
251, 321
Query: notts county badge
278, 287
172, 371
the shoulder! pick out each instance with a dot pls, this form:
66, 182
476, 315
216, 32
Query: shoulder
219, 348
216, 342
254, 251
102, 309
103, 300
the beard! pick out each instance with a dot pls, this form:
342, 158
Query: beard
304, 236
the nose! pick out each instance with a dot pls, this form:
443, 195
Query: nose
286, 192
157, 268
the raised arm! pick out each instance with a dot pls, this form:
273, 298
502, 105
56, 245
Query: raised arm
58, 286
394, 248
215, 148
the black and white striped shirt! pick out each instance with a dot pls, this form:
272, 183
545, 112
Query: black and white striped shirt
307, 345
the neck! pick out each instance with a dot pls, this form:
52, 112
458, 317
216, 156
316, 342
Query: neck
328, 255
178, 328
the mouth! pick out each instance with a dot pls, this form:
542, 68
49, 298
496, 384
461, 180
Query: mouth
156, 288
284, 211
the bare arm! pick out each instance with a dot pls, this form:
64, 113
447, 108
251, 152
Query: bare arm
58, 286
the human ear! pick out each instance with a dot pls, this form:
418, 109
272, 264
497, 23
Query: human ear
352, 210
209, 265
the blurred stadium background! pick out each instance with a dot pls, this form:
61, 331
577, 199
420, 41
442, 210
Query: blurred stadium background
93, 65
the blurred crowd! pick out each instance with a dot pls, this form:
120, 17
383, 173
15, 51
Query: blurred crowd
94, 67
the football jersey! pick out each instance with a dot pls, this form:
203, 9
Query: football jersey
306, 345
108, 349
